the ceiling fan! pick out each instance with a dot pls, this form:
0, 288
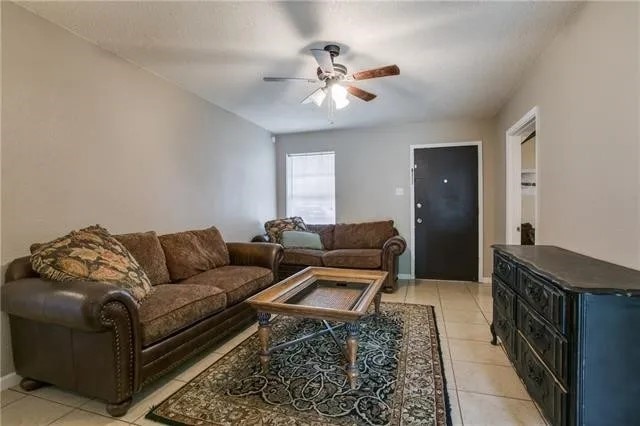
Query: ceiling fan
336, 81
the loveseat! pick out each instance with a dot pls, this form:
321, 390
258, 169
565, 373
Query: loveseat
95, 339
369, 245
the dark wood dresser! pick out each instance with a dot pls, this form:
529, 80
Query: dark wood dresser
570, 325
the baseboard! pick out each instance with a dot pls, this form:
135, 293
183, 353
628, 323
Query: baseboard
404, 276
10, 380
485, 280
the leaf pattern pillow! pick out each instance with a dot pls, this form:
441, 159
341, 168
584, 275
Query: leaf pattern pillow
91, 254
275, 227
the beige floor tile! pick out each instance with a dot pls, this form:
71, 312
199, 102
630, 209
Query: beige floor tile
32, 411
456, 415
478, 409
444, 347
422, 299
472, 351
466, 331
397, 297
448, 373
8, 396
60, 396
189, 372
469, 317
494, 380
84, 418
142, 402
460, 304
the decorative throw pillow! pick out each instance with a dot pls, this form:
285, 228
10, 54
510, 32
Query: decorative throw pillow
301, 239
91, 254
275, 227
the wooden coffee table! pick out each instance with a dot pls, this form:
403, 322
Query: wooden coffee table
325, 294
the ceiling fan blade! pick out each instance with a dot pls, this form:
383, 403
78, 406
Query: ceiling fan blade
317, 97
307, 80
376, 72
362, 94
324, 60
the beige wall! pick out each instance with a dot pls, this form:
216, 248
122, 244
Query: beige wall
89, 138
586, 85
371, 163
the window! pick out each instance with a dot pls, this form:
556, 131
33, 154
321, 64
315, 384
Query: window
311, 189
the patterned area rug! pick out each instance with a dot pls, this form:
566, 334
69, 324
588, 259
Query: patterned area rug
401, 378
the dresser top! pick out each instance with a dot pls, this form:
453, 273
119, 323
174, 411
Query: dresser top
575, 272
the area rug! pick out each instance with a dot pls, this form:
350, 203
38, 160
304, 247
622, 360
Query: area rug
401, 378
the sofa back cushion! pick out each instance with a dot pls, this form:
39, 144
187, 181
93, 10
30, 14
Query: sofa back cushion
368, 235
326, 234
146, 249
192, 252
91, 254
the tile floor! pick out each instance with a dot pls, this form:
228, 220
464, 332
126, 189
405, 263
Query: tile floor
483, 387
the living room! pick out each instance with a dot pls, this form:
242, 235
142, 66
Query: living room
156, 116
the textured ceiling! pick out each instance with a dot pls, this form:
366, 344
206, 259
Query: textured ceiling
457, 60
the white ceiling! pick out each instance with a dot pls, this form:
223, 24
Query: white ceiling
457, 60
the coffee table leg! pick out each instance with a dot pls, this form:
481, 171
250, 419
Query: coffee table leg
263, 333
352, 353
376, 302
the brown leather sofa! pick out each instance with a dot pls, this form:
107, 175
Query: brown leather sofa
94, 339
369, 245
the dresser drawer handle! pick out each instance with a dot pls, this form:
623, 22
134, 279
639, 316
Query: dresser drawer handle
536, 294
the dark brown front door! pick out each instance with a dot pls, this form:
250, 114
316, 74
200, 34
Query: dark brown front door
446, 213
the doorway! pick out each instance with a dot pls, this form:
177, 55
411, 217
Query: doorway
522, 166
446, 211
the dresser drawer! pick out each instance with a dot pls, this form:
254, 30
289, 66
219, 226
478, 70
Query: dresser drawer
541, 385
505, 269
504, 299
543, 298
548, 344
505, 329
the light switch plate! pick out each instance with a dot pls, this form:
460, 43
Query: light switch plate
399, 191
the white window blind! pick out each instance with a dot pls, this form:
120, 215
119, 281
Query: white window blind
311, 188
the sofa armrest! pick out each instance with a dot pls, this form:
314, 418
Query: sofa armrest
395, 246
391, 250
263, 238
81, 305
267, 255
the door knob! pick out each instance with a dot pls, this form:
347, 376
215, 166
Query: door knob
419, 220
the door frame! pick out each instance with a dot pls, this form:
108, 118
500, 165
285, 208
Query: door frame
412, 148
513, 176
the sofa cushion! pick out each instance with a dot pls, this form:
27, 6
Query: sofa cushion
300, 256
91, 254
353, 258
146, 249
238, 282
369, 235
192, 252
326, 234
173, 307
275, 227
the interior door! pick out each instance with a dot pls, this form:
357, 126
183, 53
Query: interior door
446, 213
